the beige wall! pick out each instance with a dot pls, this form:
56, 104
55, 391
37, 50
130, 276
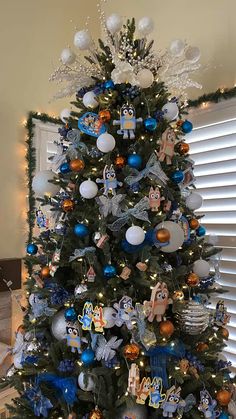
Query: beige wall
32, 36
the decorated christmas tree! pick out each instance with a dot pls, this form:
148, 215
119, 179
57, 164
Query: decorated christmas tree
118, 323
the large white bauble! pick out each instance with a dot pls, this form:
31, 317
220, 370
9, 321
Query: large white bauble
145, 78
88, 189
201, 268
135, 235
177, 47
65, 114
171, 111
59, 325
194, 201
90, 100
41, 185
176, 236
109, 315
82, 40
106, 142
114, 23
67, 56
89, 380
192, 54
145, 25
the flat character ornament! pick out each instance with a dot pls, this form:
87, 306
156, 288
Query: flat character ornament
109, 180
172, 402
98, 319
125, 312
143, 390
155, 198
207, 405
87, 316
73, 338
156, 397
127, 121
167, 145
158, 303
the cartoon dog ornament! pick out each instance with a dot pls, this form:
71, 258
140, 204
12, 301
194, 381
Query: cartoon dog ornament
109, 180
87, 316
73, 338
221, 315
98, 319
158, 303
143, 390
167, 146
127, 122
155, 198
125, 312
207, 405
156, 396
172, 402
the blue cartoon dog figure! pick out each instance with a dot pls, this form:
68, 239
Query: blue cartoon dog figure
156, 397
125, 312
109, 180
207, 405
73, 338
172, 402
127, 121
87, 316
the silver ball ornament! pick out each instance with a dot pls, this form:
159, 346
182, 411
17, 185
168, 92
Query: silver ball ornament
192, 317
67, 56
82, 40
145, 25
58, 326
106, 142
201, 268
194, 201
88, 189
65, 114
90, 100
170, 110
86, 383
114, 23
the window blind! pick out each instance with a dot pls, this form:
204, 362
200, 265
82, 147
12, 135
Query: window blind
213, 148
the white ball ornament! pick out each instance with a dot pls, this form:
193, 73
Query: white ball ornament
88, 189
145, 25
171, 111
176, 236
67, 56
59, 325
89, 386
201, 268
135, 235
177, 47
90, 100
41, 185
194, 201
114, 23
192, 54
82, 40
109, 315
65, 114
106, 142
145, 78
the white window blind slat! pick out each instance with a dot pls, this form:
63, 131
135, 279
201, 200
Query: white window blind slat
218, 192
223, 154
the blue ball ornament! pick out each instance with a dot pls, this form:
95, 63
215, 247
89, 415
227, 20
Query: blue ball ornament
150, 124
109, 271
65, 168
32, 249
87, 357
177, 176
108, 85
201, 231
186, 127
81, 230
135, 161
70, 314
224, 415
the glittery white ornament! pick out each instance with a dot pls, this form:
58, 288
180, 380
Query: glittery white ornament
135, 235
192, 54
177, 47
82, 40
123, 73
194, 201
67, 56
145, 78
58, 326
114, 23
106, 142
88, 379
65, 114
90, 101
145, 25
88, 189
201, 268
171, 111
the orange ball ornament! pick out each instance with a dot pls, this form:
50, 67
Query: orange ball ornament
202, 347
131, 351
77, 165
194, 223
120, 162
166, 328
178, 295
104, 115
192, 280
163, 235
68, 205
224, 332
183, 148
96, 414
223, 397
45, 271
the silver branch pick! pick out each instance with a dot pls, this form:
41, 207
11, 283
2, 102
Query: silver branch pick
74, 137
109, 205
138, 211
106, 349
78, 253
152, 170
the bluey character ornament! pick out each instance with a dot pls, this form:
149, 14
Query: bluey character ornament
143, 391
207, 405
155, 199
73, 338
127, 122
221, 315
167, 145
158, 303
172, 402
109, 180
125, 312
98, 319
87, 316
91, 124
156, 397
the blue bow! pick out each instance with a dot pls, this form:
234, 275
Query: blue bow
67, 387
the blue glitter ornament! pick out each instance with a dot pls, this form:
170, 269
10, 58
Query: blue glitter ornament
70, 314
135, 161
201, 231
109, 271
177, 176
66, 365
108, 84
81, 230
87, 356
150, 124
32, 249
187, 127
65, 168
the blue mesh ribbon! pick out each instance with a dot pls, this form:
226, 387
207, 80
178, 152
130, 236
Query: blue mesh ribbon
67, 387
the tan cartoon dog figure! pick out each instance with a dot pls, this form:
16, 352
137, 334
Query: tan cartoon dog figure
159, 302
167, 146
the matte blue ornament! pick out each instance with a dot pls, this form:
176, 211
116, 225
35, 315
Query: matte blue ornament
108, 84
150, 124
65, 168
224, 415
201, 231
70, 314
32, 249
177, 176
109, 271
87, 357
135, 161
81, 230
187, 127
